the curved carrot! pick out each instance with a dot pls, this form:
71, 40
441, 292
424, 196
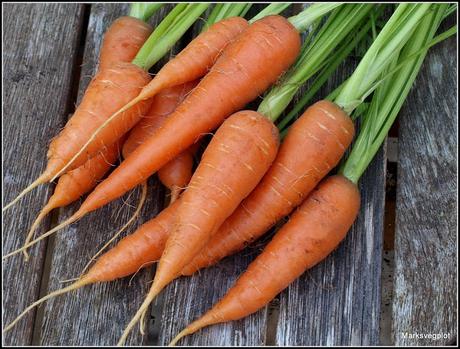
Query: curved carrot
133, 252
246, 145
190, 64
122, 41
312, 148
310, 235
235, 79
76, 183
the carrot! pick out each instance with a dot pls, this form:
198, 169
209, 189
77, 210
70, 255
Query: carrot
76, 183
312, 148
311, 234
109, 90
122, 41
163, 104
245, 145
190, 64
235, 79
133, 252
176, 174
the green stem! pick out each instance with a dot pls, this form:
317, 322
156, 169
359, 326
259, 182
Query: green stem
324, 75
312, 59
386, 46
222, 11
305, 18
144, 11
391, 94
167, 33
272, 9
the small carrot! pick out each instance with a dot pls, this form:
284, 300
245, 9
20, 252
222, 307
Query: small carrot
312, 148
76, 183
177, 173
312, 233
245, 145
133, 252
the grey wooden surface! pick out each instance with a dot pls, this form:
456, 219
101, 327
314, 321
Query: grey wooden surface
37, 82
337, 302
426, 219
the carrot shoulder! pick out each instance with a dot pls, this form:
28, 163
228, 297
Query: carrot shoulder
311, 234
122, 41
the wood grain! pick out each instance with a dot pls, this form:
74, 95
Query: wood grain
37, 84
426, 211
97, 314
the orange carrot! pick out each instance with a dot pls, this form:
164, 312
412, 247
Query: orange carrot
116, 83
177, 173
235, 79
313, 147
133, 252
245, 144
190, 64
76, 183
311, 234
122, 41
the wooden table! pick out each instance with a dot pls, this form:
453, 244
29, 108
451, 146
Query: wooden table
49, 57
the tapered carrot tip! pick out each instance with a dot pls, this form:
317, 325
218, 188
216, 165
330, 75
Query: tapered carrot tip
182, 334
80, 283
80, 213
40, 180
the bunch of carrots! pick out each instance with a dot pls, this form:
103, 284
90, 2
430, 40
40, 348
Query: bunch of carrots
260, 165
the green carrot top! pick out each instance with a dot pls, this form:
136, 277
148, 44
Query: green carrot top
392, 91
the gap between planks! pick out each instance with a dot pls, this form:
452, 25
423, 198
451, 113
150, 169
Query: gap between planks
54, 215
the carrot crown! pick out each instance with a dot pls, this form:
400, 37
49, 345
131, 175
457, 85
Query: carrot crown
391, 93
167, 33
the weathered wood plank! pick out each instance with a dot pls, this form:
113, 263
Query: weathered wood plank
426, 218
96, 315
40, 43
337, 302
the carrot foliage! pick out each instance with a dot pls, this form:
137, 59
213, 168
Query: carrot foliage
167, 33
392, 91
144, 11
